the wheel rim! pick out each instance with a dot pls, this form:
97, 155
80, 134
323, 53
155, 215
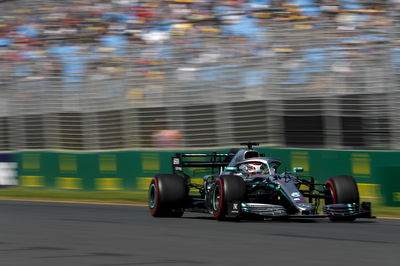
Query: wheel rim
152, 196
332, 192
216, 198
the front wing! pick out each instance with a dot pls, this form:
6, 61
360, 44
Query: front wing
237, 209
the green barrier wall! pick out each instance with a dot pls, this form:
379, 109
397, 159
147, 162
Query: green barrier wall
375, 171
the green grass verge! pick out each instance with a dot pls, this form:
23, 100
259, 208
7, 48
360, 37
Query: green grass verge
62, 195
130, 197
378, 209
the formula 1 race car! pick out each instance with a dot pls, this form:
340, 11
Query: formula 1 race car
244, 184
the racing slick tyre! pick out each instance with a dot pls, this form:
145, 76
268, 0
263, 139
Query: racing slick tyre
167, 194
342, 189
226, 189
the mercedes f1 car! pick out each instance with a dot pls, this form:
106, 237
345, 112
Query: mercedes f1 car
245, 184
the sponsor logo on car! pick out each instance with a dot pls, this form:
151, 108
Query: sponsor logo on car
296, 195
299, 199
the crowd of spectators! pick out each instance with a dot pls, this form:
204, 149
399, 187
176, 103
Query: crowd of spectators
143, 45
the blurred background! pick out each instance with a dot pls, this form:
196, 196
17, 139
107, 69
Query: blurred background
122, 74
90, 79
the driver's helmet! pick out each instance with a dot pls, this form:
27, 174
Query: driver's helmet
255, 169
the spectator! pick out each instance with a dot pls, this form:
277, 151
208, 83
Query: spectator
204, 41
164, 137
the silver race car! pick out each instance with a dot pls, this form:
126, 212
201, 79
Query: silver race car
245, 184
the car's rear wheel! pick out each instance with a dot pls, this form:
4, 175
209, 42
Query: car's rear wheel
227, 189
167, 194
342, 189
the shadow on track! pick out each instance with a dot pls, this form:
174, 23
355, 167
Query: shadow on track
278, 220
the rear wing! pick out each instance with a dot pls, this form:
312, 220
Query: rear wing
215, 161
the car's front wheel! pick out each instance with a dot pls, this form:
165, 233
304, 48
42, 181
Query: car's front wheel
342, 189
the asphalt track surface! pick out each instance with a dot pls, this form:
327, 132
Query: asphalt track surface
37, 233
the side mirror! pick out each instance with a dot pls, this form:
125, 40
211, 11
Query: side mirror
298, 169
230, 168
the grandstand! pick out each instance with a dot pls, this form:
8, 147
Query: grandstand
101, 75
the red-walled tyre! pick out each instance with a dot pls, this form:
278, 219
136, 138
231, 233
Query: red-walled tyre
167, 194
342, 189
226, 189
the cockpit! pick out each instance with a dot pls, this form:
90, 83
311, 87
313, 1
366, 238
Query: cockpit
254, 168
258, 166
